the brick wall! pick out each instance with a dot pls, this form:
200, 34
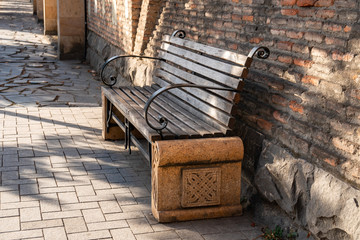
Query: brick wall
306, 97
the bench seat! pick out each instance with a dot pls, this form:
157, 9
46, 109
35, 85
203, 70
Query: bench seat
130, 101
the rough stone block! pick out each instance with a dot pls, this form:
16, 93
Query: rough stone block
196, 178
50, 16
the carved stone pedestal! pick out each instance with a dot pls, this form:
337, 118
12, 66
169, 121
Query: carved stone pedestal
196, 178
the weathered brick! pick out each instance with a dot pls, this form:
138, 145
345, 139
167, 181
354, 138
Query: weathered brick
279, 100
324, 3
312, 36
303, 63
325, 14
281, 117
343, 145
324, 156
285, 59
289, 12
285, 45
248, 18
306, 12
305, 3
288, 2
295, 35
296, 107
311, 80
264, 124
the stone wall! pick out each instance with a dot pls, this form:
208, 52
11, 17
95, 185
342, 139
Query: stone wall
304, 100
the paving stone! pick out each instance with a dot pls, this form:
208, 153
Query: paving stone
110, 207
9, 224
158, 236
107, 225
41, 224
122, 234
75, 225
140, 225
21, 234
93, 215
56, 233
226, 236
89, 235
30, 214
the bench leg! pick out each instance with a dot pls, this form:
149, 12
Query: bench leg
196, 178
110, 131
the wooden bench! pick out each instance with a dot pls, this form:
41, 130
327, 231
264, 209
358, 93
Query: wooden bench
194, 95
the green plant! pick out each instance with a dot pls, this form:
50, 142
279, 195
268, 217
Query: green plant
275, 234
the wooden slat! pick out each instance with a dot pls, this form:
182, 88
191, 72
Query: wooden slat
174, 125
227, 68
201, 106
209, 120
140, 122
187, 118
126, 108
199, 93
204, 71
212, 51
191, 78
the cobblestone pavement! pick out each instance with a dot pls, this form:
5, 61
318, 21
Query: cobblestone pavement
59, 179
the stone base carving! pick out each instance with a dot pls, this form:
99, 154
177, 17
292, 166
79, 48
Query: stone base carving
196, 178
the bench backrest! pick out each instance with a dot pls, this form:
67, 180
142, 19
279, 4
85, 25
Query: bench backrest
195, 63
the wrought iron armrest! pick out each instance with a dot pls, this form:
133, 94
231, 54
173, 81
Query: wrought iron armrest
261, 52
163, 120
113, 79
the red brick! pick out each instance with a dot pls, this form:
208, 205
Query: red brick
247, 2
289, 12
343, 145
306, 12
324, 156
263, 124
248, 18
285, 59
324, 3
305, 3
303, 63
347, 29
236, 17
325, 14
334, 41
279, 100
288, 2
311, 80
256, 40
296, 107
332, 27
318, 52
338, 56
314, 24
315, 37
285, 45
300, 48
280, 117
233, 46
295, 35
277, 32
230, 34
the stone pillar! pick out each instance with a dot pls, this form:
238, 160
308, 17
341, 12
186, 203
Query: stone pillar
34, 7
196, 178
71, 29
50, 17
39, 10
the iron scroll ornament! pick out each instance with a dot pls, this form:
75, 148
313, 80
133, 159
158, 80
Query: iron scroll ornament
163, 120
113, 80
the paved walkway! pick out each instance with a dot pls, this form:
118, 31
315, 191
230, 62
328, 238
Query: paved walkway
59, 179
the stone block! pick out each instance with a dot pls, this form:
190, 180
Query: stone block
71, 29
196, 178
50, 16
40, 10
